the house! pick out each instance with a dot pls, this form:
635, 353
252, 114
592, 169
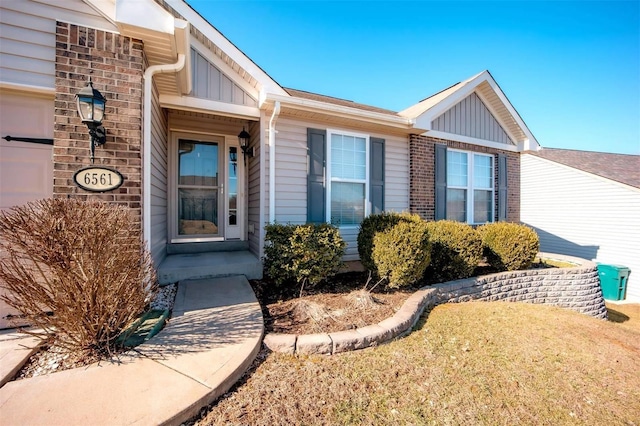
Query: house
585, 204
179, 94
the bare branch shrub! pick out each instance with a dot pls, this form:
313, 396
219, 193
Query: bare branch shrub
76, 269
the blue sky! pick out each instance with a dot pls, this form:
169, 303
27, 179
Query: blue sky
571, 69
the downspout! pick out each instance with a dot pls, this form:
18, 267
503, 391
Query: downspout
146, 147
272, 162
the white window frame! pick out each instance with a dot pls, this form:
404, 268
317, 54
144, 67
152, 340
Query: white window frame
330, 179
470, 187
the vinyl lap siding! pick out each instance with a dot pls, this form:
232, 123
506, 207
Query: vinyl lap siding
291, 172
291, 176
159, 187
579, 214
28, 40
253, 197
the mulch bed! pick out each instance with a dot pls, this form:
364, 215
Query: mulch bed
335, 305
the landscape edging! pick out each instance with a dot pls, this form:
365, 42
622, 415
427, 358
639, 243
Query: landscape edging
576, 288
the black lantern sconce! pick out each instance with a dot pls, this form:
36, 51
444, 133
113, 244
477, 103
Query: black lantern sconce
243, 137
90, 104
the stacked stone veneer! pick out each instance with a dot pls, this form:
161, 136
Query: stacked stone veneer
115, 64
576, 288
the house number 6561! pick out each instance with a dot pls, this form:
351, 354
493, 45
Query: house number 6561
98, 179
93, 179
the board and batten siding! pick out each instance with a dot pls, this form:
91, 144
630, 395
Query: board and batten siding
159, 179
470, 117
28, 37
211, 83
581, 214
291, 176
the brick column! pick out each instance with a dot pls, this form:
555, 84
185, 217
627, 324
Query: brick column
116, 65
422, 176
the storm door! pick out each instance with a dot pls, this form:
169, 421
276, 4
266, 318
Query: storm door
200, 190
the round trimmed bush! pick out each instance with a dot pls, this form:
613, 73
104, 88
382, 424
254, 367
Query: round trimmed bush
374, 224
303, 253
456, 250
402, 253
509, 246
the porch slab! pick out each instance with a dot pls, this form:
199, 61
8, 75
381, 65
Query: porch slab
179, 267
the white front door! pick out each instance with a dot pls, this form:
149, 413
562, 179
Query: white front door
207, 190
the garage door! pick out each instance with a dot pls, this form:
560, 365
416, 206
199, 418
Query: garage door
26, 168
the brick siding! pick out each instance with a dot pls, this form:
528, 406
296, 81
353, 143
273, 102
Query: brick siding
422, 175
116, 65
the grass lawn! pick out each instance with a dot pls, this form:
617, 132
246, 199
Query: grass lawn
469, 363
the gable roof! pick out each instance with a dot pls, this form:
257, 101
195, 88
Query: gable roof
484, 85
623, 168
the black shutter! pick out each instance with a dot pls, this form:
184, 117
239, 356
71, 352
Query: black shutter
441, 182
316, 152
376, 175
502, 187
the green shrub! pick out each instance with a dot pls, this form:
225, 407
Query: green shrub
374, 224
77, 270
402, 253
456, 250
509, 246
303, 253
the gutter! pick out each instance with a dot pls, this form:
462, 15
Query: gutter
344, 111
272, 163
146, 148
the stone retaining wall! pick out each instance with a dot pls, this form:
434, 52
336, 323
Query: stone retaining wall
576, 288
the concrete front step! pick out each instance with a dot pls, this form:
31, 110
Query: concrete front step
178, 267
188, 248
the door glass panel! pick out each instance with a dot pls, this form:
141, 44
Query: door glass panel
198, 163
233, 186
198, 211
198, 186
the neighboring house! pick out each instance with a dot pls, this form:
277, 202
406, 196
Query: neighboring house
585, 204
179, 94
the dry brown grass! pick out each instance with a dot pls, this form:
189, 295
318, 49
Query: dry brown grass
471, 363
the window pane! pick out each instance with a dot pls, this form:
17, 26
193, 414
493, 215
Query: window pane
348, 157
457, 204
482, 171
198, 163
347, 203
197, 211
482, 201
456, 169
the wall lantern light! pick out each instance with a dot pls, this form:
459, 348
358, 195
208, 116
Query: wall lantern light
90, 104
243, 137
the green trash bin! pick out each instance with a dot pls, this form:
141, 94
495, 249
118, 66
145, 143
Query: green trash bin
613, 280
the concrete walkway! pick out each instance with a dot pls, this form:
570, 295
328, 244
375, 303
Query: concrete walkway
210, 341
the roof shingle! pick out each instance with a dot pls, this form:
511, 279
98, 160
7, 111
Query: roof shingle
623, 168
337, 101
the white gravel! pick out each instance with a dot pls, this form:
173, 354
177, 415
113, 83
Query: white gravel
54, 359
165, 297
